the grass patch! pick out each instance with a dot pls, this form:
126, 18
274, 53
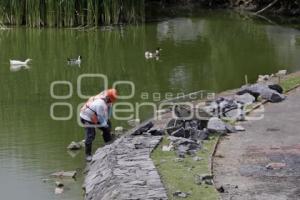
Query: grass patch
289, 83
180, 175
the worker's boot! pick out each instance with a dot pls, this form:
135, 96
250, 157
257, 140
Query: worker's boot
88, 152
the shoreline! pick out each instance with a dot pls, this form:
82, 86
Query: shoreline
287, 77
158, 124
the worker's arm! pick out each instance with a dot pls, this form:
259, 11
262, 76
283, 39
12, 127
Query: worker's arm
109, 111
101, 116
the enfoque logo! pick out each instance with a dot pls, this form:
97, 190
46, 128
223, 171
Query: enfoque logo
126, 110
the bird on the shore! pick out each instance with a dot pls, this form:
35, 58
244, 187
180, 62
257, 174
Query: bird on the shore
74, 61
149, 55
18, 62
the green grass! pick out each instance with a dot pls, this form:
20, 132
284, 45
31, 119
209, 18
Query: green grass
289, 83
180, 175
71, 13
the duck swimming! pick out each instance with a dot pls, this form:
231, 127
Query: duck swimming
18, 62
74, 61
149, 55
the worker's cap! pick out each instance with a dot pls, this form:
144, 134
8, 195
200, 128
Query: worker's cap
112, 94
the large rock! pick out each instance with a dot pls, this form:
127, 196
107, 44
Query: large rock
178, 140
156, 132
74, 146
184, 146
230, 128
182, 111
227, 107
236, 114
262, 78
198, 134
246, 98
182, 150
264, 91
179, 132
245, 90
67, 174
216, 125
173, 125
281, 73
194, 124
143, 128
276, 87
276, 97
189, 149
179, 194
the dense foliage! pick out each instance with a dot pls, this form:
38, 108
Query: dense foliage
69, 13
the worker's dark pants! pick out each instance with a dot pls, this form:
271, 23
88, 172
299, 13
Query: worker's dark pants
90, 134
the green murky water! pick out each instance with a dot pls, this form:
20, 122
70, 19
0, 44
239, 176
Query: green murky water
209, 52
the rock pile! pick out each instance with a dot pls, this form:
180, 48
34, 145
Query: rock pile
233, 107
186, 135
191, 126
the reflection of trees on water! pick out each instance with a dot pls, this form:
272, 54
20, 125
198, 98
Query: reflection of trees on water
179, 78
180, 29
286, 42
219, 51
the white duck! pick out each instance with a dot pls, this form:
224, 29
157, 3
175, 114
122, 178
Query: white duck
149, 55
74, 61
18, 62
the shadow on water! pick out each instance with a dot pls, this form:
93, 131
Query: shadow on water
210, 52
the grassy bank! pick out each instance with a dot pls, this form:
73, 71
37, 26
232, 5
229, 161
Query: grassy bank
181, 175
290, 82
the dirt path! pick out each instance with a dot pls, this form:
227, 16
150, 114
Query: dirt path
241, 159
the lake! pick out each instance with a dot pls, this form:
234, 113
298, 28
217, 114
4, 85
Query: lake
213, 51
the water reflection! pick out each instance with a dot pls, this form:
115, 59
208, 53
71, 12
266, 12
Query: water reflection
179, 78
180, 29
15, 68
286, 42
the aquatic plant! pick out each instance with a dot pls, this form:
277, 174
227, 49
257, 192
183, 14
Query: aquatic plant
70, 13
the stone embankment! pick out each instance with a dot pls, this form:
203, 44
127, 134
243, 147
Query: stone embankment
124, 170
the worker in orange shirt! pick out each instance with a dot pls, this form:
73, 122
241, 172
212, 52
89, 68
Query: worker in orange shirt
96, 113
